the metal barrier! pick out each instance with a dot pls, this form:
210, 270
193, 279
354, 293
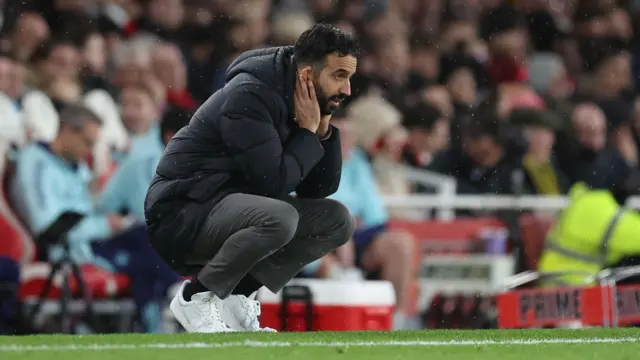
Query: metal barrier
446, 201
487, 202
444, 186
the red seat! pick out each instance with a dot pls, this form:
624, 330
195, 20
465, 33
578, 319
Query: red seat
100, 283
458, 236
434, 236
16, 243
11, 245
534, 229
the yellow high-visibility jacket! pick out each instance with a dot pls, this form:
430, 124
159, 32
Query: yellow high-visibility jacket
591, 233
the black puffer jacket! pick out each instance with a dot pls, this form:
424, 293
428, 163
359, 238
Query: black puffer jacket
242, 139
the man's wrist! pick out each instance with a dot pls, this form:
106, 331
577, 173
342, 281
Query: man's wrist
325, 135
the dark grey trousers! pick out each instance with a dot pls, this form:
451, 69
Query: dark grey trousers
270, 239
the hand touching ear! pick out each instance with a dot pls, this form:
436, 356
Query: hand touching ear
307, 108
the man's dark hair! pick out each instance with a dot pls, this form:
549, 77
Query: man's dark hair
174, 120
499, 20
76, 116
597, 52
484, 125
422, 116
43, 52
321, 40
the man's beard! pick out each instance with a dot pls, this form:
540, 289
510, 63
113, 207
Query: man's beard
326, 108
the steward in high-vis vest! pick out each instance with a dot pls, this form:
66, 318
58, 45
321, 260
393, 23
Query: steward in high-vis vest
593, 233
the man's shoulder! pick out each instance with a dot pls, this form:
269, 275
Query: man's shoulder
246, 87
33, 153
247, 96
34, 160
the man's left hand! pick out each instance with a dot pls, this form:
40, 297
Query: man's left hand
324, 130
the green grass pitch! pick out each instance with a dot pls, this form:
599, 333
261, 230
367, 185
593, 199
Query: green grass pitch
585, 344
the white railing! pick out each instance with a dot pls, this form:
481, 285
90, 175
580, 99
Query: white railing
445, 201
444, 186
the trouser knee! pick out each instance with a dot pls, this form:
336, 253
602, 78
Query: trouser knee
279, 226
342, 223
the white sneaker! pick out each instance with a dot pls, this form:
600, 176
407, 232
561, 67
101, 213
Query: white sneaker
242, 313
201, 314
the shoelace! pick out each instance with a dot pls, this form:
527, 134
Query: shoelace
253, 313
213, 316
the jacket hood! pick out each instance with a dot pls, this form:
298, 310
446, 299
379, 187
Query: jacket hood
272, 66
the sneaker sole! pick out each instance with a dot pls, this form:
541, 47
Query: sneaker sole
176, 310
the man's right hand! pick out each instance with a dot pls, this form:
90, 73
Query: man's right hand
307, 107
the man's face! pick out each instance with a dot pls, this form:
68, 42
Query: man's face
169, 67
439, 97
168, 14
590, 127
480, 149
138, 110
95, 53
333, 84
132, 72
615, 74
426, 63
438, 137
63, 63
30, 30
79, 143
394, 61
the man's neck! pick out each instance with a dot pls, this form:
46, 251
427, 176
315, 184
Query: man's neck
493, 159
416, 146
58, 149
142, 132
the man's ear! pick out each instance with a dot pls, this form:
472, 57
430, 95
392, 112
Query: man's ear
306, 72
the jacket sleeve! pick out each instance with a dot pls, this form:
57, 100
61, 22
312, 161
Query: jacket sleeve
324, 179
112, 199
247, 128
43, 201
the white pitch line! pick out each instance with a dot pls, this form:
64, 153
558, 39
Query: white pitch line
278, 344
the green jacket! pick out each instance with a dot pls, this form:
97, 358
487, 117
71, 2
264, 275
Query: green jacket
591, 233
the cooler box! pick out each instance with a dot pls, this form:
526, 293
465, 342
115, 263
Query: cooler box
327, 305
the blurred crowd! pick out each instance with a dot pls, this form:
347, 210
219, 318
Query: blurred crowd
476, 89
508, 97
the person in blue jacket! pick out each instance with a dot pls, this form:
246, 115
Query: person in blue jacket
126, 190
140, 113
52, 178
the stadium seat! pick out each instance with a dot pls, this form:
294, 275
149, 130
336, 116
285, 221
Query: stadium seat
434, 236
458, 236
101, 283
534, 229
17, 244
